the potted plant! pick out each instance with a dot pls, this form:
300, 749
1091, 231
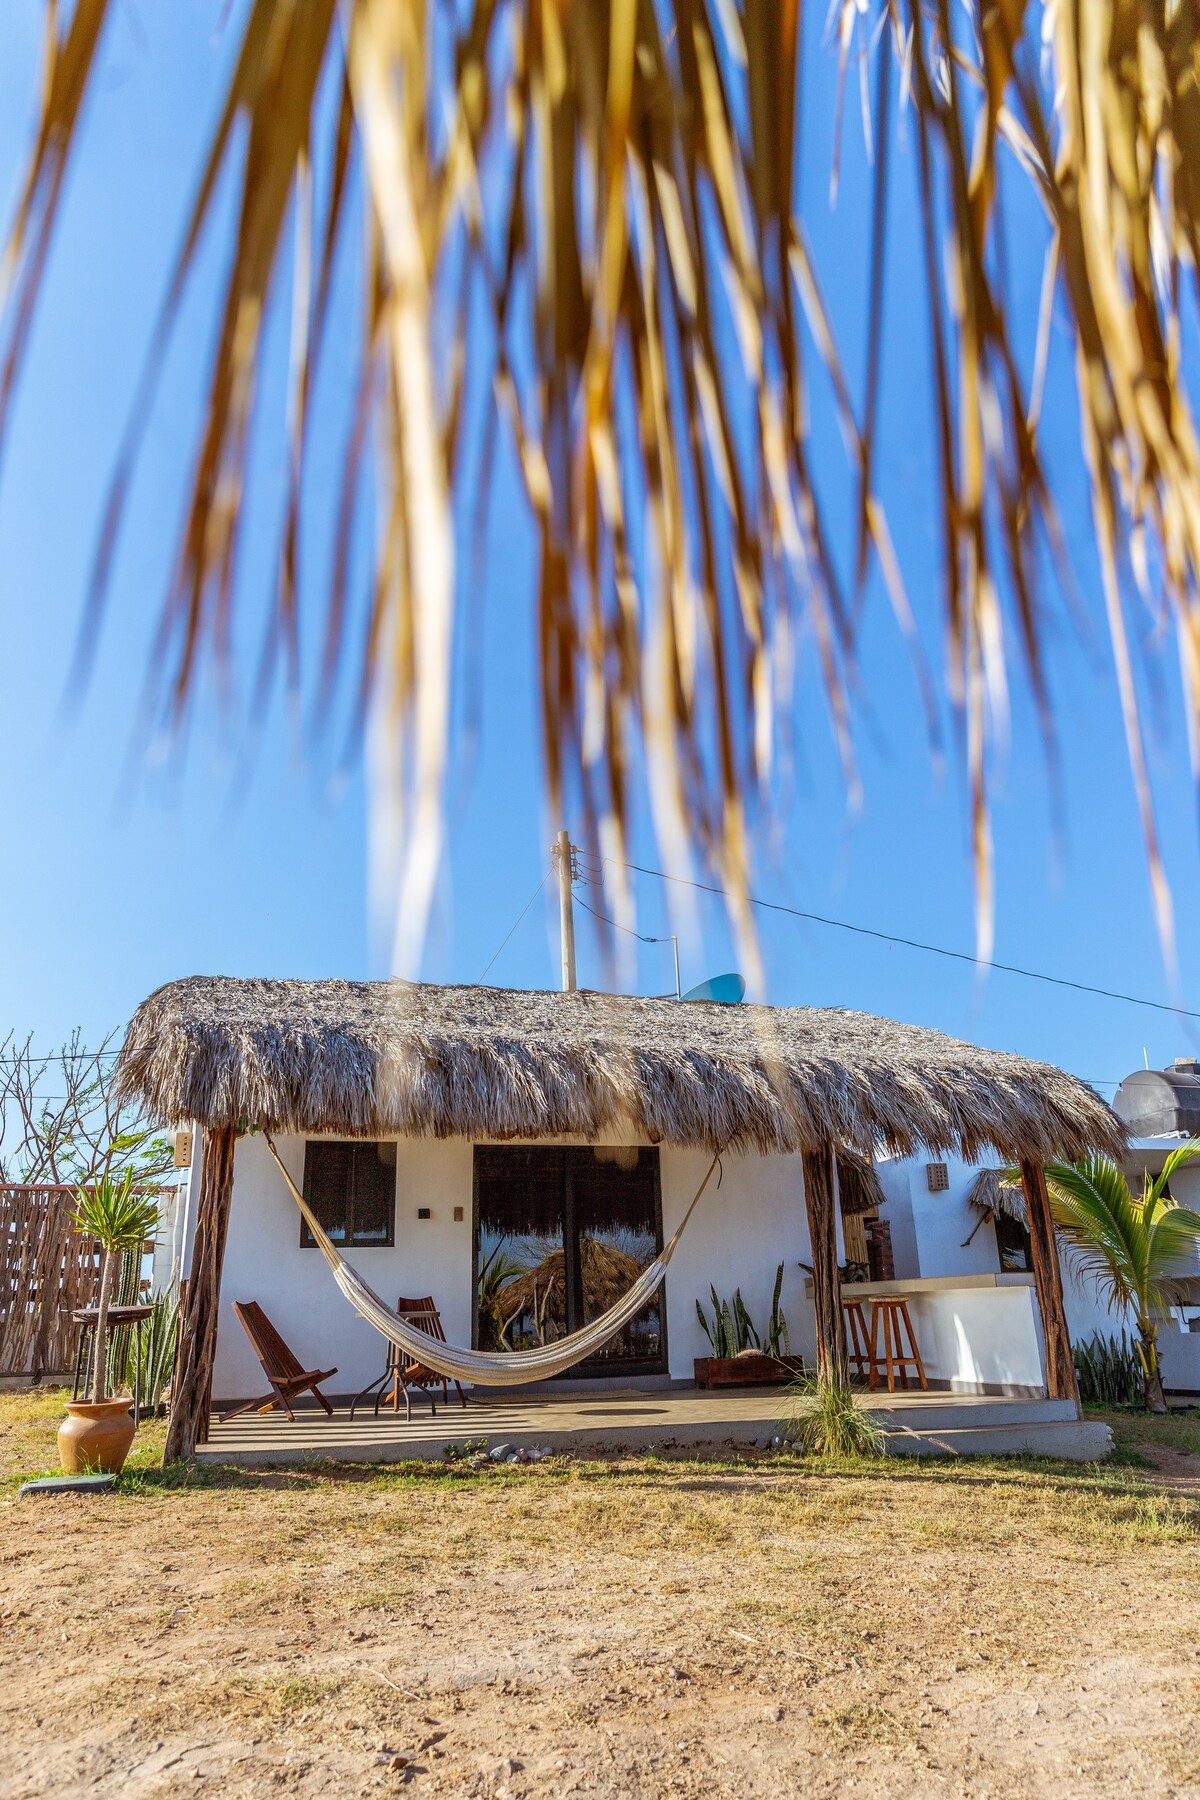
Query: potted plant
740, 1357
95, 1436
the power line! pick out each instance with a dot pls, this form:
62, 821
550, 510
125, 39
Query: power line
628, 929
892, 937
537, 890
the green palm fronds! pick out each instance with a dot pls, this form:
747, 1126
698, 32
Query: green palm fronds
119, 1215
1138, 1252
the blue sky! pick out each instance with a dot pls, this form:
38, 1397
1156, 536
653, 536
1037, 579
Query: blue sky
121, 875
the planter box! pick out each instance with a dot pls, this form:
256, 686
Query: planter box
755, 1370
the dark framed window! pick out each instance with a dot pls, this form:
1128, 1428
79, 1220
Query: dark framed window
1012, 1241
352, 1190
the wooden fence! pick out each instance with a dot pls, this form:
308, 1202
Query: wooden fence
46, 1270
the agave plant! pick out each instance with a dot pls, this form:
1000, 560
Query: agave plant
1109, 1370
616, 187
120, 1217
775, 1340
731, 1330
1137, 1251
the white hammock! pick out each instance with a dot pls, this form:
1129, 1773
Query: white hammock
488, 1368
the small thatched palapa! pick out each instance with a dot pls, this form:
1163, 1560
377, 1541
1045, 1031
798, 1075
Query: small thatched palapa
992, 1193
401, 1059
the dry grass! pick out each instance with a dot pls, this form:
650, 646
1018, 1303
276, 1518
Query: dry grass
631, 1627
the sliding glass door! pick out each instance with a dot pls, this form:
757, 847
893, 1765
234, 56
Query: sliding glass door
560, 1235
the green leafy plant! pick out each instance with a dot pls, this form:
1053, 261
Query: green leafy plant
500, 1268
464, 1451
1109, 1371
825, 1419
120, 1217
731, 1329
1138, 1252
776, 1341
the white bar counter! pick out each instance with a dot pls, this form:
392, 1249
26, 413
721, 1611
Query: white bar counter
977, 1334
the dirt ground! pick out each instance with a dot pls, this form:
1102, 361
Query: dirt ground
634, 1628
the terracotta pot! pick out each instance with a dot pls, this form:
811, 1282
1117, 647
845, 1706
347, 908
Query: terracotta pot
95, 1440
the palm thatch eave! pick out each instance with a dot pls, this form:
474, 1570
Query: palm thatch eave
411, 1059
992, 1191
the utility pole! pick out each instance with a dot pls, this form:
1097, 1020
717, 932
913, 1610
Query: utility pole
566, 912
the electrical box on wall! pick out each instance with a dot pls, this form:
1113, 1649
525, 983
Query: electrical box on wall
938, 1177
183, 1149
458, 1215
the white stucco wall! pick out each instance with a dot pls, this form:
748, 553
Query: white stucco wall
980, 1337
929, 1230
933, 1228
1179, 1358
737, 1237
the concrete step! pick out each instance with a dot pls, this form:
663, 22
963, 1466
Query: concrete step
967, 1412
1070, 1440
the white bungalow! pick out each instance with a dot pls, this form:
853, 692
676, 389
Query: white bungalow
949, 1219
456, 1141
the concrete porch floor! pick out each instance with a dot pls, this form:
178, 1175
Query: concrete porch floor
936, 1423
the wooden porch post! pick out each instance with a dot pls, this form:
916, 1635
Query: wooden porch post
1061, 1383
832, 1362
190, 1392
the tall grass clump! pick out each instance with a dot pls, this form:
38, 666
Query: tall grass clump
825, 1419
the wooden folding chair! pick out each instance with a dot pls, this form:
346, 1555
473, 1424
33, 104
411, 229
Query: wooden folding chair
286, 1376
423, 1315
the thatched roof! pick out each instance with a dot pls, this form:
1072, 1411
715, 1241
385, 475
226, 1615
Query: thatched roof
990, 1191
859, 1190
394, 1058
605, 1271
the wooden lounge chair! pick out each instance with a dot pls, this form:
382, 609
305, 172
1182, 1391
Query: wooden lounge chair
280, 1367
401, 1372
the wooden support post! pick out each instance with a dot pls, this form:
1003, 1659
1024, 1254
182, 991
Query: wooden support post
832, 1361
1061, 1383
191, 1388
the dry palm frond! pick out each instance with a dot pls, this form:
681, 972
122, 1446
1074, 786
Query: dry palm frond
612, 186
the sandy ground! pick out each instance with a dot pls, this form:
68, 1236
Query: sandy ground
627, 1629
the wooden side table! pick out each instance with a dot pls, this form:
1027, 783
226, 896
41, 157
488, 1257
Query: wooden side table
87, 1318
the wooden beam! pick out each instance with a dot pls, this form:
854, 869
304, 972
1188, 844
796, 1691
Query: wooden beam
821, 1206
1061, 1383
191, 1388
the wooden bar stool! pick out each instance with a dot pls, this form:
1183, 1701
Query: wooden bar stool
858, 1345
893, 1311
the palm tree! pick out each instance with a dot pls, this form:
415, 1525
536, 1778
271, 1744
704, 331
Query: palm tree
614, 188
1137, 1251
501, 1268
120, 1218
